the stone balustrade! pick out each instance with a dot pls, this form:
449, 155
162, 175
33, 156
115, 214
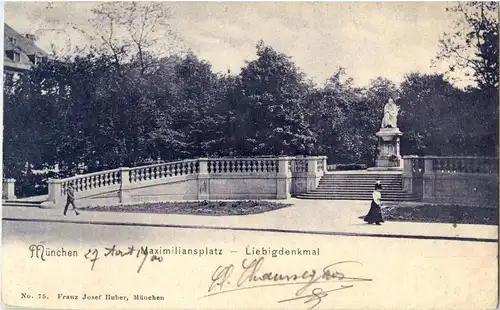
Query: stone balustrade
413, 165
299, 165
242, 165
87, 183
203, 178
452, 179
463, 164
449, 164
91, 181
321, 163
306, 173
163, 170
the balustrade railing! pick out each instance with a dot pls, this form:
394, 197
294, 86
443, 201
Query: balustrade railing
414, 165
91, 181
164, 170
320, 166
300, 165
464, 164
242, 165
450, 164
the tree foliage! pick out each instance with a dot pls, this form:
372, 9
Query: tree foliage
272, 91
131, 31
473, 43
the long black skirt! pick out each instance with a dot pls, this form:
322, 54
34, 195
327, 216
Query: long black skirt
374, 215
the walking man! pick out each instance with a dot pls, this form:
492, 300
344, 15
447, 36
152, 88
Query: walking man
70, 200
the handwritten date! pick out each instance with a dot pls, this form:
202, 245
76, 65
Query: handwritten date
141, 253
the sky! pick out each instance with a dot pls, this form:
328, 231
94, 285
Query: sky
369, 39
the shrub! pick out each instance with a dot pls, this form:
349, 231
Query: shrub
343, 167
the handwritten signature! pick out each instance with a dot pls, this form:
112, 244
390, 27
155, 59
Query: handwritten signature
143, 252
306, 279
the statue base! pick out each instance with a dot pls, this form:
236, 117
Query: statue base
388, 158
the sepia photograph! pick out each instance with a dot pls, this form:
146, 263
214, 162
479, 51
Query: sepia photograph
250, 155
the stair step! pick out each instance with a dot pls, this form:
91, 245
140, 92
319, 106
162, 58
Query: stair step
361, 176
347, 176
364, 179
352, 198
364, 186
358, 197
355, 195
361, 180
360, 189
357, 184
358, 192
370, 185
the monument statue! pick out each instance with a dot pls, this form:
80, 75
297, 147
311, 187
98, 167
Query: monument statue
389, 157
390, 118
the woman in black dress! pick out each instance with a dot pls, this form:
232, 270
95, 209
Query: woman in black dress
375, 213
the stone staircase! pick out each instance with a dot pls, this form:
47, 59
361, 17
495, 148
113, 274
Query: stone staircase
358, 185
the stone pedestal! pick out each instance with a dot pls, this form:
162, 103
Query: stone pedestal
8, 189
389, 157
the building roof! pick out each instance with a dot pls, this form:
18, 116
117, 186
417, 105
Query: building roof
16, 42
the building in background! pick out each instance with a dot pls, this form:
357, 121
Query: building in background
20, 54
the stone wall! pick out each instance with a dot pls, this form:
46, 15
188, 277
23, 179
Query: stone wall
461, 188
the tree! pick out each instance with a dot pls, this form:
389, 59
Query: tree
199, 102
473, 43
440, 119
328, 111
131, 31
273, 91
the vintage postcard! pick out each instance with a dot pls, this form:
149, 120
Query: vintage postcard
250, 155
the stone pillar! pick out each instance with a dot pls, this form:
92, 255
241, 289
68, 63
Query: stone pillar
124, 191
8, 189
283, 178
429, 180
203, 180
408, 173
428, 165
312, 173
55, 196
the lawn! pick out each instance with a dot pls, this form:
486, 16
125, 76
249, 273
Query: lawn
217, 208
453, 214
402, 212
